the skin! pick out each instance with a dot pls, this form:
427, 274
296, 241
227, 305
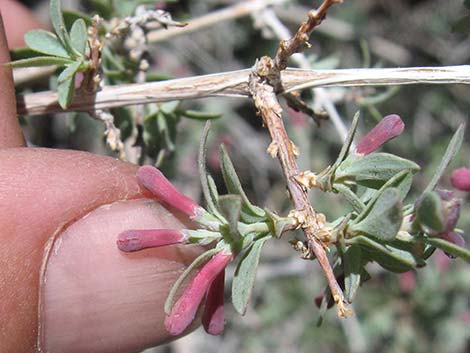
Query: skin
63, 282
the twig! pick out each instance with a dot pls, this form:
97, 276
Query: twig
235, 84
299, 41
270, 18
265, 99
265, 83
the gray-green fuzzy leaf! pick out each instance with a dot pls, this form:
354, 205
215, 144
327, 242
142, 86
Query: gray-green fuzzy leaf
451, 151
65, 91
45, 42
352, 259
348, 141
233, 183
374, 169
230, 206
244, 278
40, 61
57, 20
430, 213
203, 170
449, 248
79, 36
390, 258
69, 72
383, 220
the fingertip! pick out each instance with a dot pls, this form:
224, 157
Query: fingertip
95, 297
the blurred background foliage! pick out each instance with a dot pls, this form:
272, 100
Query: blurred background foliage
426, 311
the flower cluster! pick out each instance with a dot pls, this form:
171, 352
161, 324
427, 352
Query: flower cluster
208, 283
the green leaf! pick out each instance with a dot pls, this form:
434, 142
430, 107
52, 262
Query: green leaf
65, 91
58, 21
40, 61
203, 172
451, 151
383, 219
244, 278
79, 36
230, 206
69, 72
392, 259
212, 188
352, 259
374, 169
45, 42
466, 3
401, 181
234, 186
193, 114
199, 260
348, 141
449, 248
430, 213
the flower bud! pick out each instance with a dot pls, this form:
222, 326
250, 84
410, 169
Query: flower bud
388, 128
213, 316
460, 179
185, 309
154, 180
138, 239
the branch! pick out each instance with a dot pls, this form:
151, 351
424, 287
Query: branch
299, 41
235, 84
265, 83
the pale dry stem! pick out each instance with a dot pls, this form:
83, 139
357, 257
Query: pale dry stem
311, 222
264, 84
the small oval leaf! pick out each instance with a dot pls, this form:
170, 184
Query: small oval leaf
244, 278
65, 91
230, 206
45, 42
373, 170
69, 72
352, 259
232, 182
55, 9
384, 218
79, 36
390, 258
430, 213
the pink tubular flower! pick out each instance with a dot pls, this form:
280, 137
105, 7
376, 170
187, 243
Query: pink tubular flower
389, 127
138, 239
154, 180
460, 179
213, 316
185, 309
